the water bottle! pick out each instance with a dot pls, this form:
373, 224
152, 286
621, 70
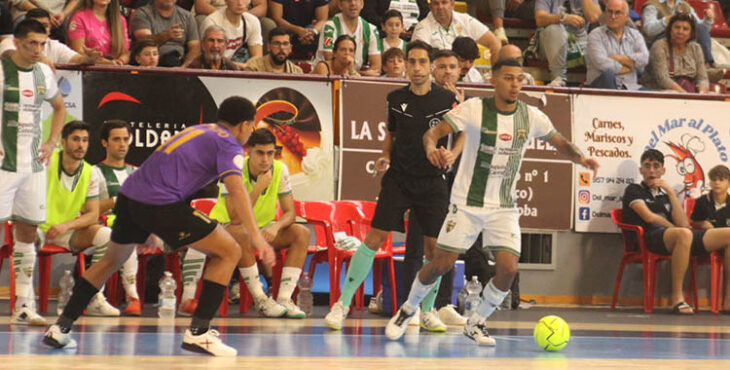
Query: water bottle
168, 299
507, 302
305, 300
66, 284
473, 288
461, 298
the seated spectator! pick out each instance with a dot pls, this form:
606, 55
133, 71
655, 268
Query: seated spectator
655, 16
563, 33
374, 11
277, 60
676, 62
348, 22
654, 206
467, 51
510, 51
213, 49
243, 31
304, 19
394, 64
145, 53
713, 209
172, 28
497, 10
59, 10
343, 59
446, 71
616, 53
98, 25
392, 26
54, 52
442, 25
260, 9
203, 8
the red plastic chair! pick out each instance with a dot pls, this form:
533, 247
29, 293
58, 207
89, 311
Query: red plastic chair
6, 251
320, 215
44, 270
715, 260
642, 256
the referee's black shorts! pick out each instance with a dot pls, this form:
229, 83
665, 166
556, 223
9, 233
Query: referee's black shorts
177, 224
427, 196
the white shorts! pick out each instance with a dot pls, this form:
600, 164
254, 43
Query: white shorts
23, 197
63, 240
500, 227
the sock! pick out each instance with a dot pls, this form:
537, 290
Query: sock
491, 298
129, 275
192, 269
430, 298
360, 265
100, 241
417, 294
250, 276
289, 279
24, 256
83, 292
211, 296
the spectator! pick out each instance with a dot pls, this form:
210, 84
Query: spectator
510, 51
655, 16
563, 33
260, 9
392, 25
442, 25
654, 206
413, 11
498, 9
243, 31
213, 50
59, 10
712, 209
98, 25
145, 53
467, 51
446, 70
304, 19
394, 64
349, 22
277, 60
676, 62
616, 53
203, 8
54, 51
172, 28
343, 59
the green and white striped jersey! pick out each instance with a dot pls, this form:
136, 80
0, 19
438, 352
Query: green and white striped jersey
493, 150
367, 39
23, 91
112, 178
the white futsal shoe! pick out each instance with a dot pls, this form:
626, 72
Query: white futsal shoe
55, 338
450, 316
399, 323
416, 320
479, 334
100, 307
431, 322
335, 319
27, 315
292, 310
208, 343
270, 308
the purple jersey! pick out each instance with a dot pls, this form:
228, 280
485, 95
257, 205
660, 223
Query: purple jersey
184, 164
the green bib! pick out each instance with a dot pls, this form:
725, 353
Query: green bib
265, 208
63, 205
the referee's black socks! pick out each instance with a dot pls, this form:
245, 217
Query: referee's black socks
210, 298
82, 294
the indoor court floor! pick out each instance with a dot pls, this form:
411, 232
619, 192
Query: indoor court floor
600, 339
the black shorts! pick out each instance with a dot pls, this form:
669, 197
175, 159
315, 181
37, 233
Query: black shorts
654, 238
427, 196
177, 224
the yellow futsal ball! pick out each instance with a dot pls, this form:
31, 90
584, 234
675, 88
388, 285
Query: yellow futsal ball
552, 333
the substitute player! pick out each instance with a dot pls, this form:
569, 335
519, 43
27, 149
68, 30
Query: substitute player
153, 200
482, 198
25, 84
410, 182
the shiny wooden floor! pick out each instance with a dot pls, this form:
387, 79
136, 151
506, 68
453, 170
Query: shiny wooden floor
600, 339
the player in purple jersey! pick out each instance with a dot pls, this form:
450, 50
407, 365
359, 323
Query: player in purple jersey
153, 200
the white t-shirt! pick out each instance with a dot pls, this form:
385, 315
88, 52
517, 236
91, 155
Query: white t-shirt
335, 27
498, 145
55, 51
234, 33
431, 32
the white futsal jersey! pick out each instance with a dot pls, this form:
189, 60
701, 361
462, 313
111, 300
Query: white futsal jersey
493, 150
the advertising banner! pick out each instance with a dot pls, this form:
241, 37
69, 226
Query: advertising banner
159, 106
692, 134
363, 129
71, 88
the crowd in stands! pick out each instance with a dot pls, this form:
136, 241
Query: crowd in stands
667, 47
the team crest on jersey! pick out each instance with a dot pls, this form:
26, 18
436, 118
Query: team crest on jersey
41, 89
521, 133
238, 161
450, 225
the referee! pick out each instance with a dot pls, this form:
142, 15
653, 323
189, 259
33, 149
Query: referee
411, 181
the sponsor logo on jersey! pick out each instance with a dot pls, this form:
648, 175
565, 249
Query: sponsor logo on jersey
584, 197
505, 137
584, 179
403, 107
584, 213
28, 93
